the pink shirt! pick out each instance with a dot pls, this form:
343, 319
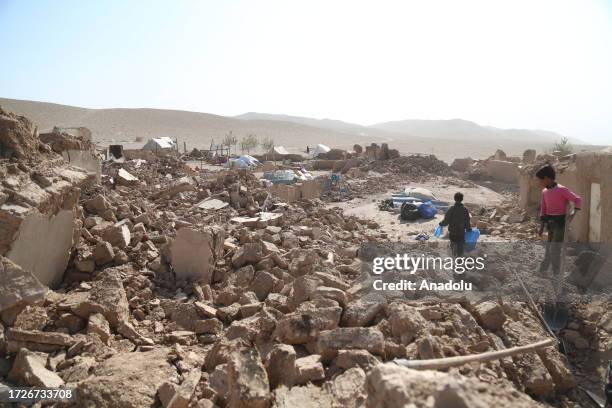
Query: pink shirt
554, 200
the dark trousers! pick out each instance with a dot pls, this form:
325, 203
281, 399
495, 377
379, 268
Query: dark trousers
556, 236
457, 245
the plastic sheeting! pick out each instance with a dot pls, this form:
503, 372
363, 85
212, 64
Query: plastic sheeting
280, 176
244, 161
421, 193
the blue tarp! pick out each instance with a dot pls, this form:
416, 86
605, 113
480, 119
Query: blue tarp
427, 210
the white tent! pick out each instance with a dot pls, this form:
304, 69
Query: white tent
159, 143
320, 148
276, 153
278, 150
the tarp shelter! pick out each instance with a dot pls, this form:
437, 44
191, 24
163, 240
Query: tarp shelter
319, 149
276, 153
159, 143
416, 196
243, 162
279, 150
420, 193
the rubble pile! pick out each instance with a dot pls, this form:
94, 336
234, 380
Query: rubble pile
415, 166
19, 137
505, 220
39, 191
187, 289
368, 177
62, 141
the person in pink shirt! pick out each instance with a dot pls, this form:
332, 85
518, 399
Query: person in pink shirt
553, 215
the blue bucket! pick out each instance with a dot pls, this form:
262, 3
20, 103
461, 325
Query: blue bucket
471, 237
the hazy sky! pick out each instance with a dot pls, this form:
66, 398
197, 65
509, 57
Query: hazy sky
523, 64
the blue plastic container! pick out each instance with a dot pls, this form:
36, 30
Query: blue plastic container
471, 237
438, 231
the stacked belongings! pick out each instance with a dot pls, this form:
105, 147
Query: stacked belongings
409, 212
386, 205
415, 203
427, 210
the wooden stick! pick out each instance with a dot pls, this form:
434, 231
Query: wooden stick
534, 307
442, 363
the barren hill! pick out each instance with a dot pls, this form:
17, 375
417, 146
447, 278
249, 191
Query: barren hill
331, 124
461, 129
197, 129
437, 129
447, 139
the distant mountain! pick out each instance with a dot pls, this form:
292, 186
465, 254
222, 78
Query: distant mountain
447, 139
453, 129
459, 129
195, 128
331, 124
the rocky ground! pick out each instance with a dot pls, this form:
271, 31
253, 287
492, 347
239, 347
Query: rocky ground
200, 289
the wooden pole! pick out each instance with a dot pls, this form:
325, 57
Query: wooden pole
443, 363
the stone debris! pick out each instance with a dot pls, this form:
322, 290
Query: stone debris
180, 288
248, 381
98, 324
193, 254
124, 178
18, 287
126, 380
389, 385
490, 315
29, 370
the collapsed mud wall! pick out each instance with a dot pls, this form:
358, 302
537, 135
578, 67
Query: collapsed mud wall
85, 160
42, 245
306, 190
37, 234
591, 171
582, 173
38, 196
19, 136
503, 170
529, 191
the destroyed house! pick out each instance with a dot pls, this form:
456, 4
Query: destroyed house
585, 173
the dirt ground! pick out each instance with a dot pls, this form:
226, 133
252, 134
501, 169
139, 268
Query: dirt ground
403, 231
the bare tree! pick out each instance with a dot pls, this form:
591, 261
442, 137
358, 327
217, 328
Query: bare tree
249, 142
230, 140
267, 144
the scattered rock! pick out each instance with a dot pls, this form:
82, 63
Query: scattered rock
490, 315
369, 339
29, 370
248, 380
119, 381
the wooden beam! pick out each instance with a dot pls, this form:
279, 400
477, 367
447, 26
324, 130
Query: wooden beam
443, 363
